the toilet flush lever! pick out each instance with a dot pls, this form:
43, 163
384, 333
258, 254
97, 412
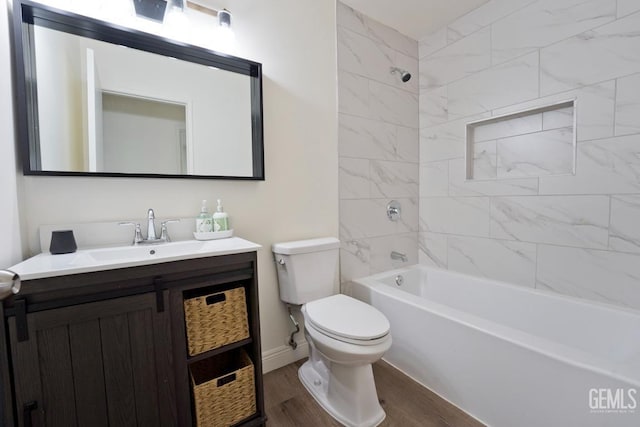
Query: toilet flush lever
281, 261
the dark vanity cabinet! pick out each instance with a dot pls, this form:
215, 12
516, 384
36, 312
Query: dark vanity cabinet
95, 364
109, 348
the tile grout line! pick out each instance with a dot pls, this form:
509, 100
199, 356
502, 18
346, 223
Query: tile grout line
615, 105
553, 95
636, 193
609, 223
447, 250
581, 142
491, 44
525, 114
476, 72
615, 18
446, 27
535, 270
491, 209
384, 41
386, 84
369, 20
540, 74
555, 245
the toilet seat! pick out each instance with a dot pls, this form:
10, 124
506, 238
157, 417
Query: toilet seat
346, 319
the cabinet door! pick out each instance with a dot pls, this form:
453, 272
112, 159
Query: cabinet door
105, 363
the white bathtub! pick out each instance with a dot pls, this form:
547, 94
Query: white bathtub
511, 356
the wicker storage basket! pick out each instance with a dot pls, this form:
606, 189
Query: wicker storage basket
215, 320
223, 389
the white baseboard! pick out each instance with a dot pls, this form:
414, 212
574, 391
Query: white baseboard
283, 355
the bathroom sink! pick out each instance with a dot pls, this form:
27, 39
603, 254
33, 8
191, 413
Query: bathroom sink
146, 251
109, 258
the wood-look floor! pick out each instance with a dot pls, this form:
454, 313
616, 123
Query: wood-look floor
406, 402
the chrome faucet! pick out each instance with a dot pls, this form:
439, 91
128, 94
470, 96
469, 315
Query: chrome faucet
152, 237
151, 226
399, 256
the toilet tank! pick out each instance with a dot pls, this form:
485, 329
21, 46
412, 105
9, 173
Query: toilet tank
307, 269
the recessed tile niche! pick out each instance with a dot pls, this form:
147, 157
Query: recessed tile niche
532, 143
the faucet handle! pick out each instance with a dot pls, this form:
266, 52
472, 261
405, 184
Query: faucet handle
137, 238
164, 234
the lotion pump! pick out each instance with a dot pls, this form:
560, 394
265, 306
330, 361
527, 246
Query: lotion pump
204, 222
220, 218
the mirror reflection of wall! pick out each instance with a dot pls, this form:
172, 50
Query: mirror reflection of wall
106, 108
59, 72
151, 133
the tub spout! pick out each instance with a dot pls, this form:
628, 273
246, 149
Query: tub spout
399, 256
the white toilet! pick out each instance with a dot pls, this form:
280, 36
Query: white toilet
345, 335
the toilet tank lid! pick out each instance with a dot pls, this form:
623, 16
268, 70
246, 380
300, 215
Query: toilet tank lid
306, 246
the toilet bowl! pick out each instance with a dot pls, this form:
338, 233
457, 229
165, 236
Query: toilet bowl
345, 335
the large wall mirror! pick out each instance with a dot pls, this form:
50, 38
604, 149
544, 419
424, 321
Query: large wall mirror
97, 99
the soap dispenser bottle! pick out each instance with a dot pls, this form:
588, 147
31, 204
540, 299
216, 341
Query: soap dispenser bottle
204, 221
220, 219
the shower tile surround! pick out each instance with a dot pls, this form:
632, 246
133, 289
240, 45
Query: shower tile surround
378, 144
573, 234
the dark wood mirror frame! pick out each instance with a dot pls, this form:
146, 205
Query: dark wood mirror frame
26, 14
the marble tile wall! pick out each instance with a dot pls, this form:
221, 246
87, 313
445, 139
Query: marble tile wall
577, 234
378, 144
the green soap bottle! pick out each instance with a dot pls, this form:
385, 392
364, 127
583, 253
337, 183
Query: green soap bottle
204, 221
220, 218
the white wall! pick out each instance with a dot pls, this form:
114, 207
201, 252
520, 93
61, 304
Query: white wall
141, 135
378, 144
60, 102
299, 198
10, 240
577, 235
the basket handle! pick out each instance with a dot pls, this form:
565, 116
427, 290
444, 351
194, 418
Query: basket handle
216, 298
226, 380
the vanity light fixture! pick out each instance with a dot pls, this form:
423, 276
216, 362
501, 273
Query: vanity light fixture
224, 16
155, 10
150, 9
178, 4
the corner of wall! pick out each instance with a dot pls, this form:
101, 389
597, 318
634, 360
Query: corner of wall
378, 144
11, 225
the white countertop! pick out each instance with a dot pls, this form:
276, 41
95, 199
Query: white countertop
111, 258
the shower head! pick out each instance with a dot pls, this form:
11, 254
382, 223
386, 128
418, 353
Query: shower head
404, 74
